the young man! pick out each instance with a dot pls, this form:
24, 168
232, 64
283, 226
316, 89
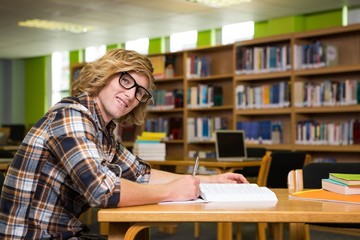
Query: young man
69, 160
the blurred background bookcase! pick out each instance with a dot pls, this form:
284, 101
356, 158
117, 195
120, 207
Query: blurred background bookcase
167, 114
283, 67
340, 70
210, 106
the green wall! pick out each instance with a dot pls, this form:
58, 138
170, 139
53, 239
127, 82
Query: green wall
294, 24
35, 88
156, 45
77, 56
324, 20
113, 46
206, 38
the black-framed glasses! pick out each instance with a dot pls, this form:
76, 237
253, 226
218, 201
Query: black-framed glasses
128, 82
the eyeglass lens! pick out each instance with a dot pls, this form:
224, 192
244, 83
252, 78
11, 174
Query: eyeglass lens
128, 82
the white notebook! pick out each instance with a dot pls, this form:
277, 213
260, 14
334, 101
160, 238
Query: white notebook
217, 192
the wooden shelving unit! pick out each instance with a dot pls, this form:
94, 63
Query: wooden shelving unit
224, 71
347, 42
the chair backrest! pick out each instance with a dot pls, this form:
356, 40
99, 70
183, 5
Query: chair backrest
255, 152
314, 172
275, 167
6, 154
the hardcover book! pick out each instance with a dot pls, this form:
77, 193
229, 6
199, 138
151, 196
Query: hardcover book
347, 178
338, 187
218, 192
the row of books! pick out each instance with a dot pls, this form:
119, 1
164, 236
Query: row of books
315, 55
164, 66
203, 128
262, 132
172, 126
167, 99
204, 95
311, 132
327, 93
198, 66
250, 60
202, 154
347, 184
148, 146
276, 95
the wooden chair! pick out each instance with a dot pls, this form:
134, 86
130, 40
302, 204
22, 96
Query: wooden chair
273, 173
252, 173
310, 177
4, 135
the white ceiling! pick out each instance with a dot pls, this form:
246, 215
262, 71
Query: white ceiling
117, 21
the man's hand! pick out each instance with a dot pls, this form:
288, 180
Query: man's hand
224, 178
184, 188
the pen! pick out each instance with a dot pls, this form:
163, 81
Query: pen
196, 165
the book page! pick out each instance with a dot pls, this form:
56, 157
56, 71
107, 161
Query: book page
198, 200
217, 192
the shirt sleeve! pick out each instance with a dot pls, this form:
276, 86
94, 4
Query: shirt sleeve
133, 167
73, 140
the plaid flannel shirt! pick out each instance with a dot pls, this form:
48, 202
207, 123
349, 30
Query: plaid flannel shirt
69, 161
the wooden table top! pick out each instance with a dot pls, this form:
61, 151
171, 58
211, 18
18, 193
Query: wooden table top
285, 210
9, 147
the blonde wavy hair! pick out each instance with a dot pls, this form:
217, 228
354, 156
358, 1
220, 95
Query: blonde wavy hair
94, 76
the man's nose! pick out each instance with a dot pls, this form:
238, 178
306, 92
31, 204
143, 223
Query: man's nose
130, 92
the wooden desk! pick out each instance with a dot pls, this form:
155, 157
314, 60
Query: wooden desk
128, 220
12, 148
221, 166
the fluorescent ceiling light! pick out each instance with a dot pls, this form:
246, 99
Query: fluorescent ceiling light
55, 26
218, 3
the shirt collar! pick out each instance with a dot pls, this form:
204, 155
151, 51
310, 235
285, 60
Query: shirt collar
90, 103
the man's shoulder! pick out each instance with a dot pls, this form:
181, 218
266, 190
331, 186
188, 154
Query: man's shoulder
72, 103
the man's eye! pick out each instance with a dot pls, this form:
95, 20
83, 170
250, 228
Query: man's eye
140, 93
126, 81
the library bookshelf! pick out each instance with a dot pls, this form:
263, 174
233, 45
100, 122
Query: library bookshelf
293, 73
343, 108
210, 98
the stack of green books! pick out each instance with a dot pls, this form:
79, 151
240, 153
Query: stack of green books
342, 183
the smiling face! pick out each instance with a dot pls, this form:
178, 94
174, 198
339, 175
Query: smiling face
115, 101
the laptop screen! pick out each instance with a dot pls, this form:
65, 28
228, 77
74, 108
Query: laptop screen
230, 145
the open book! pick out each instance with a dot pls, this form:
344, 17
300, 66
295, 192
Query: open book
218, 192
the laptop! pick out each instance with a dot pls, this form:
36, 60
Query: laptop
230, 145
